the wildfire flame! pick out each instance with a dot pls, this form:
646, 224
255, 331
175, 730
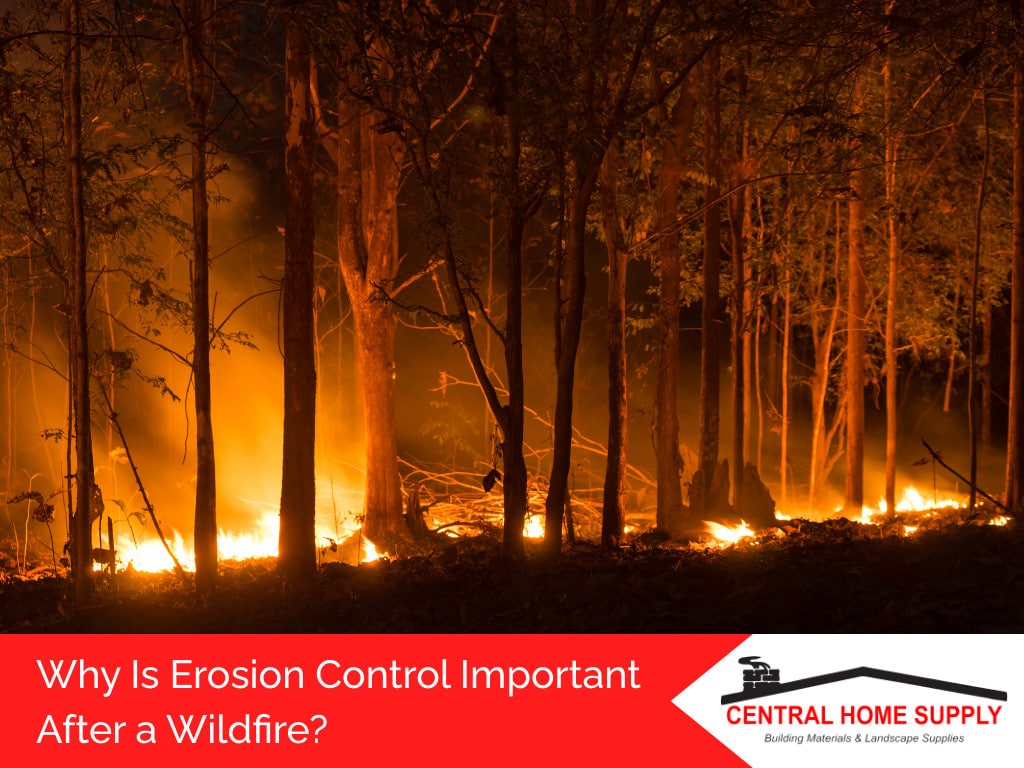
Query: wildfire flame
912, 500
260, 541
370, 553
534, 527
725, 535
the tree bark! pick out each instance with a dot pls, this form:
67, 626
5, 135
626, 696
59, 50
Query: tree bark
855, 349
740, 337
197, 14
367, 238
1015, 425
972, 323
710, 343
514, 486
893, 243
297, 539
78, 342
613, 506
584, 183
669, 467
985, 365
821, 438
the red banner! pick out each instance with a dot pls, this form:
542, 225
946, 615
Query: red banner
385, 699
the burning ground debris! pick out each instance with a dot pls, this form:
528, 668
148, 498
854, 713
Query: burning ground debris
871, 525
956, 572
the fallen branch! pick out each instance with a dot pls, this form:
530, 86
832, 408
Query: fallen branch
112, 415
961, 477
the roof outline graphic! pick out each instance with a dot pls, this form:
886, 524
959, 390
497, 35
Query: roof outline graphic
849, 674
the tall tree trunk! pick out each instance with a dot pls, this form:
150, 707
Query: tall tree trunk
666, 406
375, 342
785, 354
739, 214
78, 342
615, 470
985, 428
893, 242
368, 181
584, 183
514, 488
1015, 425
947, 395
855, 349
972, 329
710, 342
821, 437
195, 41
297, 539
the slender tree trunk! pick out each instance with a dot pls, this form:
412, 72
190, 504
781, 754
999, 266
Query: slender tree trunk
200, 94
787, 336
613, 506
972, 330
367, 236
9, 394
297, 539
78, 347
666, 406
893, 243
739, 215
951, 369
710, 342
1015, 426
375, 336
514, 488
823, 340
985, 428
584, 183
855, 349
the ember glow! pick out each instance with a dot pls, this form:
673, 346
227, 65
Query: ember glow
725, 535
534, 527
911, 501
259, 541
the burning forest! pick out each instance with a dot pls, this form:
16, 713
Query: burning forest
511, 316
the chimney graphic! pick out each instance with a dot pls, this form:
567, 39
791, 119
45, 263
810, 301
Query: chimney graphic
759, 676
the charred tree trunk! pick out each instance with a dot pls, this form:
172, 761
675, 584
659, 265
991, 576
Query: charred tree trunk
972, 329
375, 342
893, 243
821, 438
614, 480
1015, 426
985, 365
514, 490
584, 183
855, 349
710, 343
297, 538
200, 94
367, 237
738, 218
666, 406
78, 341
612, 513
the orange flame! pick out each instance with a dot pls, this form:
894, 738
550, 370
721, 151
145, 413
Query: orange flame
533, 528
725, 535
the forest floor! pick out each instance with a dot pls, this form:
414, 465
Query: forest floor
835, 576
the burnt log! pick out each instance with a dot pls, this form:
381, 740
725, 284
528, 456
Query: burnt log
755, 505
715, 505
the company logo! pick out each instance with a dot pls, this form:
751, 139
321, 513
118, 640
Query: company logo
784, 700
762, 680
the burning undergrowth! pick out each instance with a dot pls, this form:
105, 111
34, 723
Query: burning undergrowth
956, 572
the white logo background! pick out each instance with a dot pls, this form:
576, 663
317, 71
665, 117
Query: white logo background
984, 661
